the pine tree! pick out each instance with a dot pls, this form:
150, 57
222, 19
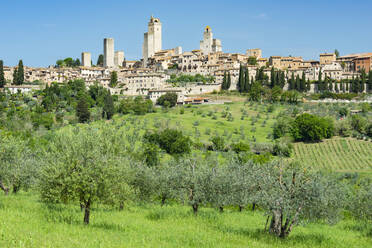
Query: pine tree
15, 76
2, 77
82, 110
108, 107
100, 60
20, 73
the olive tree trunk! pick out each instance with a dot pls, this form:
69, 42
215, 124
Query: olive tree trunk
87, 212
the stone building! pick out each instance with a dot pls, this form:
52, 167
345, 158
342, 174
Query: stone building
152, 42
208, 44
256, 52
327, 58
108, 52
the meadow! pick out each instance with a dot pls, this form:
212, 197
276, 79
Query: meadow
26, 222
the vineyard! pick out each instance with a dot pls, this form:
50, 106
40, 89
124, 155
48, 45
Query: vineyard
338, 154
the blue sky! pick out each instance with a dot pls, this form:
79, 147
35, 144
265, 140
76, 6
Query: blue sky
40, 32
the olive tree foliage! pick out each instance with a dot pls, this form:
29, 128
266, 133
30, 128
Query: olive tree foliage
290, 194
17, 164
84, 165
360, 204
195, 180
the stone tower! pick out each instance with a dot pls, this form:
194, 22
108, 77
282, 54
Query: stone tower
86, 59
208, 44
152, 42
119, 58
108, 52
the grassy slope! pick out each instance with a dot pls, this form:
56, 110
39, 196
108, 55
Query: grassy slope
186, 121
27, 223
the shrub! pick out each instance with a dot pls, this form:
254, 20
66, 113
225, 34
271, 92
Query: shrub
169, 97
170, 140
311, 128
218, 143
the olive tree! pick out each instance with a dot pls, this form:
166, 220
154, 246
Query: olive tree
291, 194
195, 178
17, 164
81, 165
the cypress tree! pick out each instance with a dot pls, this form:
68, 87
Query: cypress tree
330, 85
370, 81
272, 78
243, 88
356, 84
292, 84
336, 87
342, 88
362, 81
246, 81
308, 85
240, 80
298, 83
228, 81
320, 83
282, 79
347, 85
303, 82
108, 107
15, 76
82, 110
224, 81
2, 77
20, 73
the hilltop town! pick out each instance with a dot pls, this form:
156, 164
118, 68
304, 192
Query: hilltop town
152, 75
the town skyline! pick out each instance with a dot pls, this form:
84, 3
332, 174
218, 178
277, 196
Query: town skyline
54, 40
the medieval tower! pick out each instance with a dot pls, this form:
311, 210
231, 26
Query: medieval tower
152, 39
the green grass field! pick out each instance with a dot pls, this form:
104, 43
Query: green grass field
25, 222
337, 154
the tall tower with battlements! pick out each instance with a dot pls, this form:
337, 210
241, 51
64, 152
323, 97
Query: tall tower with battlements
152, 42
208, 44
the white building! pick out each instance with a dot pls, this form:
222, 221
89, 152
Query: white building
208, 44
152, 39
108, 52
